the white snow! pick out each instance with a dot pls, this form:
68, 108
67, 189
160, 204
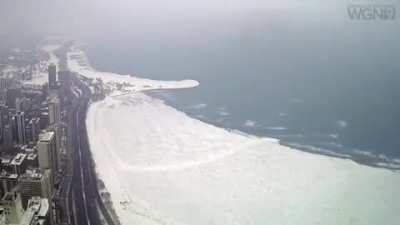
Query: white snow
39, 75
77, 62
164, 167
39, 71
50, 49
168, 168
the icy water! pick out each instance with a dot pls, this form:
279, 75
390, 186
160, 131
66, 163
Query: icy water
320, 89
162, 166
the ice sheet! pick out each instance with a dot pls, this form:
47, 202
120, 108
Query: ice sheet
164, 167
78, 62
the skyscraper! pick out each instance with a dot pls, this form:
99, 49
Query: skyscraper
54, 111
13, 93
65, 80
32, 129
7, 144
5, 82
52, 76
35, 183
3, 111
47, 152
19, 120
8, 181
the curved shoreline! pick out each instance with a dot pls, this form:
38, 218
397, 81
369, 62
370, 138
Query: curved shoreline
82, 65
357, 156
131, 186
131, 206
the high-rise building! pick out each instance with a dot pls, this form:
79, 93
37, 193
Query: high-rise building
8, 181
52, 76
54, 111
7, 143
18, 163
18, 104
13, 93
47, 152
33, 129
5, 83
19, 124
35, 183
12, 205
5, 115
3, 111
65, 81
22, 104
56, 128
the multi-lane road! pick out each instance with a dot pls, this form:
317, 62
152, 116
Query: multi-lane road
81, 199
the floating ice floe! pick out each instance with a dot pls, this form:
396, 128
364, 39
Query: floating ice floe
276, 128
341, 123
250, 123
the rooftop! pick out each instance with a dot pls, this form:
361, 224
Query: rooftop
7, 175
46, 136
33, 174
36, 206
31, 156
18, 159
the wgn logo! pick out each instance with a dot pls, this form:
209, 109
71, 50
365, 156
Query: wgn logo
371, 12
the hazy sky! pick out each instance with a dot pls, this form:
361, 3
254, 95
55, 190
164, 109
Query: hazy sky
159, 19
91, 16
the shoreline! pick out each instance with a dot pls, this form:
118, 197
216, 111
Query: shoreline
133, 195
111, 179
360, 157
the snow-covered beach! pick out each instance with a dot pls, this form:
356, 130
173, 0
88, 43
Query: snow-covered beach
164, 167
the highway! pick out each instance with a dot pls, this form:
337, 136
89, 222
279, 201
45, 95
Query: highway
82, 198
83, 185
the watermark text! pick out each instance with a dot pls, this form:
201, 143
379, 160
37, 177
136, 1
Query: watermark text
367, 12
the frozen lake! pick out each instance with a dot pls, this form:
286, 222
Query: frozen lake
172, 169
164, 167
